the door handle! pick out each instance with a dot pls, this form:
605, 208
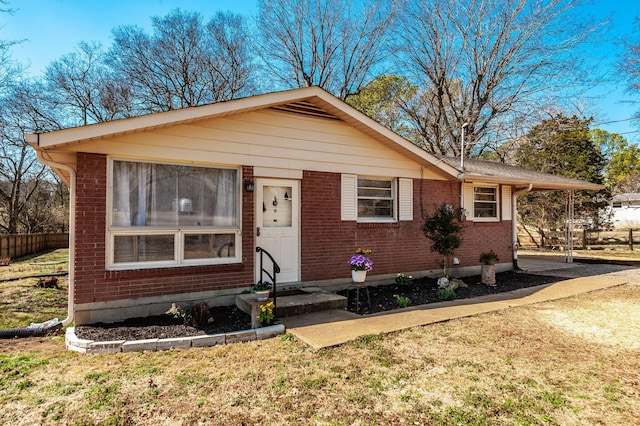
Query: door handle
258, 231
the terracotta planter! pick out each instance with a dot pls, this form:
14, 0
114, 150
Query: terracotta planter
488, 274
262, 295
358, 276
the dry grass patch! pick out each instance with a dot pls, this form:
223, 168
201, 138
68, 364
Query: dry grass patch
517, 366
21, 302
608, 253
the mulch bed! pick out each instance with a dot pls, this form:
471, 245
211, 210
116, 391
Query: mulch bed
425, 290
230, 318
225, 319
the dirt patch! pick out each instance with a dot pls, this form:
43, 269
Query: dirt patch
425, 290
230, 318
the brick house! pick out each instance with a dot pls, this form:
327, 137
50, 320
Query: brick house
170, 207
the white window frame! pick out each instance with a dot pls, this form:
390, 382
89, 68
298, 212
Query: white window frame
179, 233
393, 198
497, 202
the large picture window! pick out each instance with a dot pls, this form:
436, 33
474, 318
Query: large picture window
168, 214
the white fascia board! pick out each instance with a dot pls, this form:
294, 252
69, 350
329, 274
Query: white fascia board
538, 185
161, 119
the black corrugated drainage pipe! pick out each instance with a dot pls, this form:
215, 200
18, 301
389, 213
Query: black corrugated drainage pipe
34, 330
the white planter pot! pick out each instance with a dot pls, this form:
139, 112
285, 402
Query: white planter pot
262, 295
358, 276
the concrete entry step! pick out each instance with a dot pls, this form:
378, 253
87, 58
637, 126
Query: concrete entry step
297, 302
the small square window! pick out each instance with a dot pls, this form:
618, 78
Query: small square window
485, 202
376, 199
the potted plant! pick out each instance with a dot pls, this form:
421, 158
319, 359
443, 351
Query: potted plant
262, 289
360, 264
266, 314
488, 268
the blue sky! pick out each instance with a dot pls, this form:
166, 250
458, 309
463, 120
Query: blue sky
52, 28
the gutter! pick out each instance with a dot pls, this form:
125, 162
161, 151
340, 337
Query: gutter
514, 224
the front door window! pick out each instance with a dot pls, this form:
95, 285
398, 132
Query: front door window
277, 207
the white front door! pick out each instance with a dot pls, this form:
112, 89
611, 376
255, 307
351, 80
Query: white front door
278, 226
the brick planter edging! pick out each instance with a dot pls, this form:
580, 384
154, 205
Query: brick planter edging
92, 347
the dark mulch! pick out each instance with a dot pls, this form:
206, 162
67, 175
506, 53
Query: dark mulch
230, 318
225, 319
424, 290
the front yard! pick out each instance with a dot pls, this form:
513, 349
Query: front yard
572, 361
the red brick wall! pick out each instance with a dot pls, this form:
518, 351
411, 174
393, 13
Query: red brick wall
328, 242
94, 284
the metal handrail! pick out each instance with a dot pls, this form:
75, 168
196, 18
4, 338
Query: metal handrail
276, 270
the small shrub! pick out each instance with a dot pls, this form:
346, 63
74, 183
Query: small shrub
5, 261
402, 301
402, 279
445, 232
446, 294
200, 314
196, 315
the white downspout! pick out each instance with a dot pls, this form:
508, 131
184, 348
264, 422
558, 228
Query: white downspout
72, 227
514, 224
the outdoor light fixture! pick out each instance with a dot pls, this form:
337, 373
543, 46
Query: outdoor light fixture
248, 185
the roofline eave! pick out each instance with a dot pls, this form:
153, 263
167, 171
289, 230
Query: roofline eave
537, 184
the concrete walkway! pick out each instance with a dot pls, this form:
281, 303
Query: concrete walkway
331, 328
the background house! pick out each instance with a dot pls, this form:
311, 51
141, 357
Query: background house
626, 210
170, 207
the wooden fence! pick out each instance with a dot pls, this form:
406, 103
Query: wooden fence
13, 246
621, 239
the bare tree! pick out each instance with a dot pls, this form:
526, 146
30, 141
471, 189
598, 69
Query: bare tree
84, 90
488, 63
184, 63
9, 69
333, 44
228, 56
20, 176
630, 63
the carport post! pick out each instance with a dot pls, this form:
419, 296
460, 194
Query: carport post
569, 226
